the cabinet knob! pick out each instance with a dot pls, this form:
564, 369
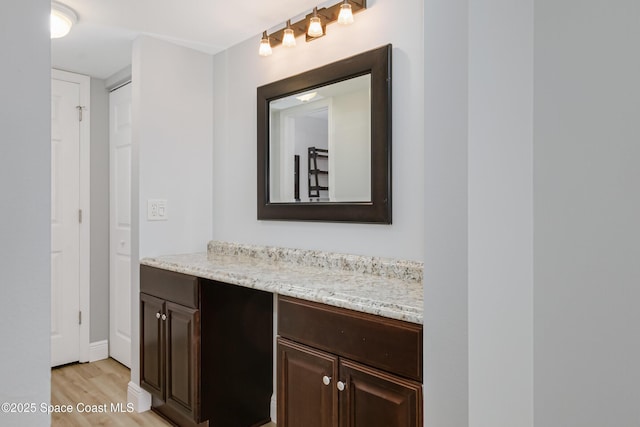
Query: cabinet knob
326, 380
340, 385
157, 315
164, 317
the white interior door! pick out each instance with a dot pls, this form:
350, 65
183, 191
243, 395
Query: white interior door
120, 230
65, 224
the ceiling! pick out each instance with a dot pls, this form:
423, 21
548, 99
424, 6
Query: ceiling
99, 45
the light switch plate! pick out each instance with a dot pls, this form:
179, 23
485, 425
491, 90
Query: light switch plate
157, 210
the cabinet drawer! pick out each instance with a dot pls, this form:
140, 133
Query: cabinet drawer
388, 344
169, 285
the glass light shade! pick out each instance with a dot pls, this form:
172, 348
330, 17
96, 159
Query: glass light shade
289, 39
346, 15
315, 27
62, 19
265, 46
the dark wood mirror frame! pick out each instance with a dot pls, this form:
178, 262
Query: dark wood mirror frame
376, 62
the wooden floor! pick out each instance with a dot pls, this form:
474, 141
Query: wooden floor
99, 383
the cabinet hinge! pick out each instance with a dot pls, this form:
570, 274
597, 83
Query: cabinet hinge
79, 318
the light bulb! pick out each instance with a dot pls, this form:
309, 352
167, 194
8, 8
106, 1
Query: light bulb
315, 26
265, 46
346, 15
289, 39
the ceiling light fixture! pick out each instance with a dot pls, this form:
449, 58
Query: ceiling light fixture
62, 19
313, 25
307, 97
265, 46
289, 39
346, 15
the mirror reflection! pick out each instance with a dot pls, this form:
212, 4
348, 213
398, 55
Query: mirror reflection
320, 144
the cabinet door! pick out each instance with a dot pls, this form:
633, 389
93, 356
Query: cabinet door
183, 359
303, 397
151, 345
374, 398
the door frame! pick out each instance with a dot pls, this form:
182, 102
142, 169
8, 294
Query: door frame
84, 205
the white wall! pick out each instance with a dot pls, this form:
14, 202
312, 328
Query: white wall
172, 120
237, 73
350, 154
587, 206
500, 155
446, 365
479, 223
171, 156
309, 132
552, 314
25, 187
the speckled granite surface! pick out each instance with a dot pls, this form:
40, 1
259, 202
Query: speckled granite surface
379, 286
384, 267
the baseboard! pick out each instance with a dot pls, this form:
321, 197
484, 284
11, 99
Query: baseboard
274, 409
141, 399
98, 350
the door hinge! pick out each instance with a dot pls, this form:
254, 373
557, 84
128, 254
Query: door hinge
80, 216
79, 318
80, 108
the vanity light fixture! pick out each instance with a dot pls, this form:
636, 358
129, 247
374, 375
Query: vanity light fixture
265, 46
62, 19
289, 39
315, 25
346, 15
312, 26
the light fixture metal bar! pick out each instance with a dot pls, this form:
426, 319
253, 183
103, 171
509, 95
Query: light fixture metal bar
327, 15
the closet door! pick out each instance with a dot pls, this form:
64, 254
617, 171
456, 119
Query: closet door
120, 225
69, 259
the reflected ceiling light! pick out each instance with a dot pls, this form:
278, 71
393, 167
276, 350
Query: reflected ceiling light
346, 15
265, 46
307, 96
315, 26
62, 19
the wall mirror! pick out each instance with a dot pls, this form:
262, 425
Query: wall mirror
324, 142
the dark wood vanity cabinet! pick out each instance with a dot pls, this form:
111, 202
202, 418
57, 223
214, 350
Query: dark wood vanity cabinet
376, 398
152, 347
205, 349
338, 367
303, 398
171, 350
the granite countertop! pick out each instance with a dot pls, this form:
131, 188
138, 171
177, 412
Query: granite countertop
385, 287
